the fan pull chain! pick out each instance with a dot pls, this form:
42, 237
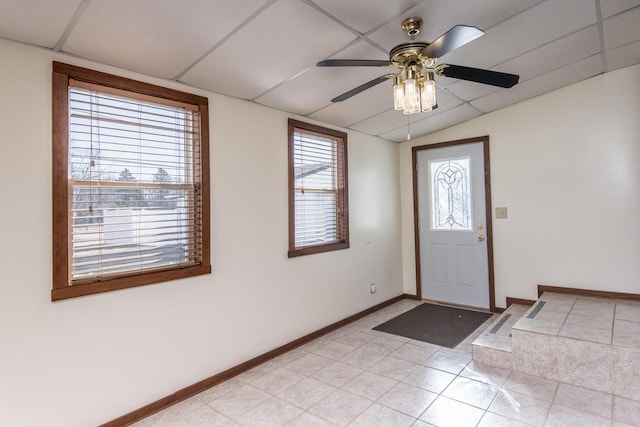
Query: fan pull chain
408, 129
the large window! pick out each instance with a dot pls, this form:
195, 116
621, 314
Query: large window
318, 206
130, 183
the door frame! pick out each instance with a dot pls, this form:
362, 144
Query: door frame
487, 195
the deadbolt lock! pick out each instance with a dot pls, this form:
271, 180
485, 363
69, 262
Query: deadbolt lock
480, 226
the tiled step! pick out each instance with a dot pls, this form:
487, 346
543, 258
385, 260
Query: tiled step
585, 341
493, 346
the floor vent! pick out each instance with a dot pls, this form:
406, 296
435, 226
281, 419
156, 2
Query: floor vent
536, 309
499, 325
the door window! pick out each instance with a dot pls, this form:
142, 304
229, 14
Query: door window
450, 194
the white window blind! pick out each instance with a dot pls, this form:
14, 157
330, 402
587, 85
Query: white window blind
315, 189
133, 165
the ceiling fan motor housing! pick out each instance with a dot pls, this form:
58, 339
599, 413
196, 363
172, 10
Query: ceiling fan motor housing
407, 52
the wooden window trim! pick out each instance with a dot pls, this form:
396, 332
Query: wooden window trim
342, 192
62, 74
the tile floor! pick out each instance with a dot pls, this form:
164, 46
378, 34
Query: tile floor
359, 377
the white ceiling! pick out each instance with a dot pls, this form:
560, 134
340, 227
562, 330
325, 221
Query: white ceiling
265, 51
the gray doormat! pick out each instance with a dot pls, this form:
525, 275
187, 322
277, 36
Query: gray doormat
435, 324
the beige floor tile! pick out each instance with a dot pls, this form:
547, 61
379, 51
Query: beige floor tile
260, 371
626, 340
220, 390
520, 407
531, 385
272, 413
586, 333
485, 373
308, 364
561, 416
239, 401
337, 374
380, 416
383, 345
429, 379
356, 339
334, 350
289, 356
587, 307
206, 417
582, 399
605, 323
447, 362
626, 411
363, 359
340, 407
493, 357
408, 399
369, 385
413, 353
586, 364
337, 378
176, 414
628, 311
445, 412
393, 367
309, 420
276, 381
306, 393
494, 420
626, 373
471, 392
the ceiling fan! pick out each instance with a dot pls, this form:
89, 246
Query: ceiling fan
415, 61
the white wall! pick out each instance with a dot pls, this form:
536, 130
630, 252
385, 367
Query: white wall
88, 360
567, 167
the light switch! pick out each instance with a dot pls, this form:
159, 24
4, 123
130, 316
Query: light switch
501, 213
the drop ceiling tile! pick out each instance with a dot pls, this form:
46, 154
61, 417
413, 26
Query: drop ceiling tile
611, 7
433, 123
622, 29
285, 39
383, 122
470, 90
554, 55
156, 37
623, 56
355, 109
440, 15
573, 73
363, 15
549, 57
40, 23
313, 89
526, 31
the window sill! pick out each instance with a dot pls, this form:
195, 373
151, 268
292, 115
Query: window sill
73, 291
317, 249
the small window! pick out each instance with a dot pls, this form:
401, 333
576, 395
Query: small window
318, 199
130, 183
451, 194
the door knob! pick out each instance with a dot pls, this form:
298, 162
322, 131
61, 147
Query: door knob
481, 237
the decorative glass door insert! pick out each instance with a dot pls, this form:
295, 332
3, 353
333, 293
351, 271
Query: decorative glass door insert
450, 194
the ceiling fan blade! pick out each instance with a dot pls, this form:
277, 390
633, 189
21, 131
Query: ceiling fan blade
353, 63
359, 89
454, 38
488, 77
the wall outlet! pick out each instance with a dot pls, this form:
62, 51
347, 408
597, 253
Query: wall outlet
373, 288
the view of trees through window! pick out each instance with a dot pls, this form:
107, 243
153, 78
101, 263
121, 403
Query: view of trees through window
130, 174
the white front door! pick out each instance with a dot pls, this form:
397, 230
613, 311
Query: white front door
452, 224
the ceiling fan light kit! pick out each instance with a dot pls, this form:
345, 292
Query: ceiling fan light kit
414, 88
